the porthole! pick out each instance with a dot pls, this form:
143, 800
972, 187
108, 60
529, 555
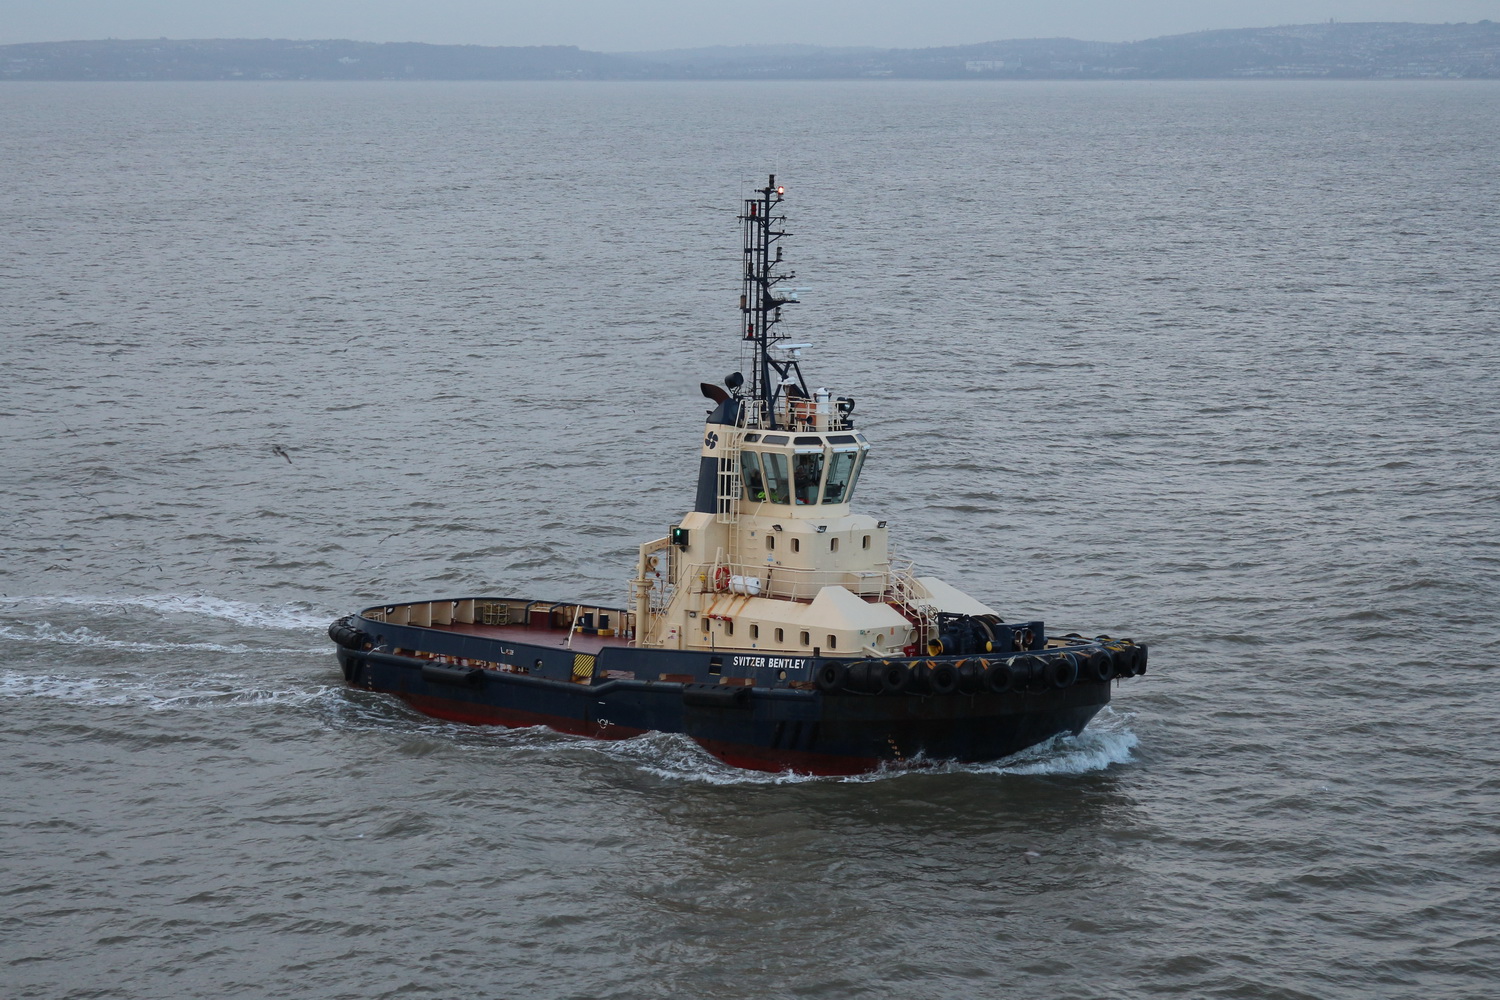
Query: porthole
770, 541
796, 545
867, 541
780, 635
833, 545
755, 631
833, 642
806, 639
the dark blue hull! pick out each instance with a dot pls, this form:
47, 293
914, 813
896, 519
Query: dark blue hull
737, 707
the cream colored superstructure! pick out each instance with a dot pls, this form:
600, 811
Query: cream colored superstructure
785, 565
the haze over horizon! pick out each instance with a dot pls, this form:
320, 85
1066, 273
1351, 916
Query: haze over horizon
650, 25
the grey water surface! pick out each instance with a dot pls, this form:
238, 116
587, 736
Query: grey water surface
1209, 365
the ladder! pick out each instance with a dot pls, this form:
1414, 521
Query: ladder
730, 485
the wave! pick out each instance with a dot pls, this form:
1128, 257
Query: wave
1108, 741
98, 692
295, 616
44, 632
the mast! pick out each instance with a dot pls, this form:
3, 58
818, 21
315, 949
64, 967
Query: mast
760, 306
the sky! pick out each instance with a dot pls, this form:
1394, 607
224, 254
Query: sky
644, 25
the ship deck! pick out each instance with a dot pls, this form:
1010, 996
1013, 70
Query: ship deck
583, 642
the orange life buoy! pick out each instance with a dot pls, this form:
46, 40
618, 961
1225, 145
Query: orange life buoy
721, 578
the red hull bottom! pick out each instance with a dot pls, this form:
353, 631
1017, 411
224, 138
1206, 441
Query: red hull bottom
750, 758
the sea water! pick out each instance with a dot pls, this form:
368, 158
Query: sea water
1209, 365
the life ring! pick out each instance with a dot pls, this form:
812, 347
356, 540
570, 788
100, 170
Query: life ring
721, 578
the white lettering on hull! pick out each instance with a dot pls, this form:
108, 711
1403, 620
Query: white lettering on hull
771, 662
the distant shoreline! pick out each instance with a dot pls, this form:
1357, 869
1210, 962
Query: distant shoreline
1357, 51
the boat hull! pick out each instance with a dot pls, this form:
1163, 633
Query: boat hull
757, 727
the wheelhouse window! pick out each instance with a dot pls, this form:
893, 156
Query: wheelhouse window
843, 470
755, 484
809, 469
777, 482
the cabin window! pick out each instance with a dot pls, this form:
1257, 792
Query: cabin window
796, 545
729, 628
755, 631
706, 624
833, 642
809, 477
750, 476
833, 545
775, 439
880, 639
841, 471
806, 639
867, 541
777, 483
780, 635
770, 541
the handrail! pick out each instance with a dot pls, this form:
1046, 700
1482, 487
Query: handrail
725, 576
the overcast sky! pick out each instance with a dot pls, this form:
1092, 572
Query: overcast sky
618, 25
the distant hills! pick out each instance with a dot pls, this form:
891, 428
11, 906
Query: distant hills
1361, 51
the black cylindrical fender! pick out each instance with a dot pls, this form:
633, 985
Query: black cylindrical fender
1098, 665
832, 676
1062, 670
439, 673
1000, 678
942, 678
895, 677
716, 695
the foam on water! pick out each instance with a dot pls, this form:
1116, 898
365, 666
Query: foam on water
165, 695
47, 633
295, 616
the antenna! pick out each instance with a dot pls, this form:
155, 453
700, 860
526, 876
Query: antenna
761, 303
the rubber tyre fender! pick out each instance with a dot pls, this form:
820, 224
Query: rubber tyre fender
921, 673
1101, 666
1000, 678
895, 677
1062, 671
943, 678
970, 676
832, 676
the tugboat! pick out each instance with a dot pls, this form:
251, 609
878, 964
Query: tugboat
771, 624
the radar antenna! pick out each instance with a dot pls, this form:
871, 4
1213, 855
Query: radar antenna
760, 308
